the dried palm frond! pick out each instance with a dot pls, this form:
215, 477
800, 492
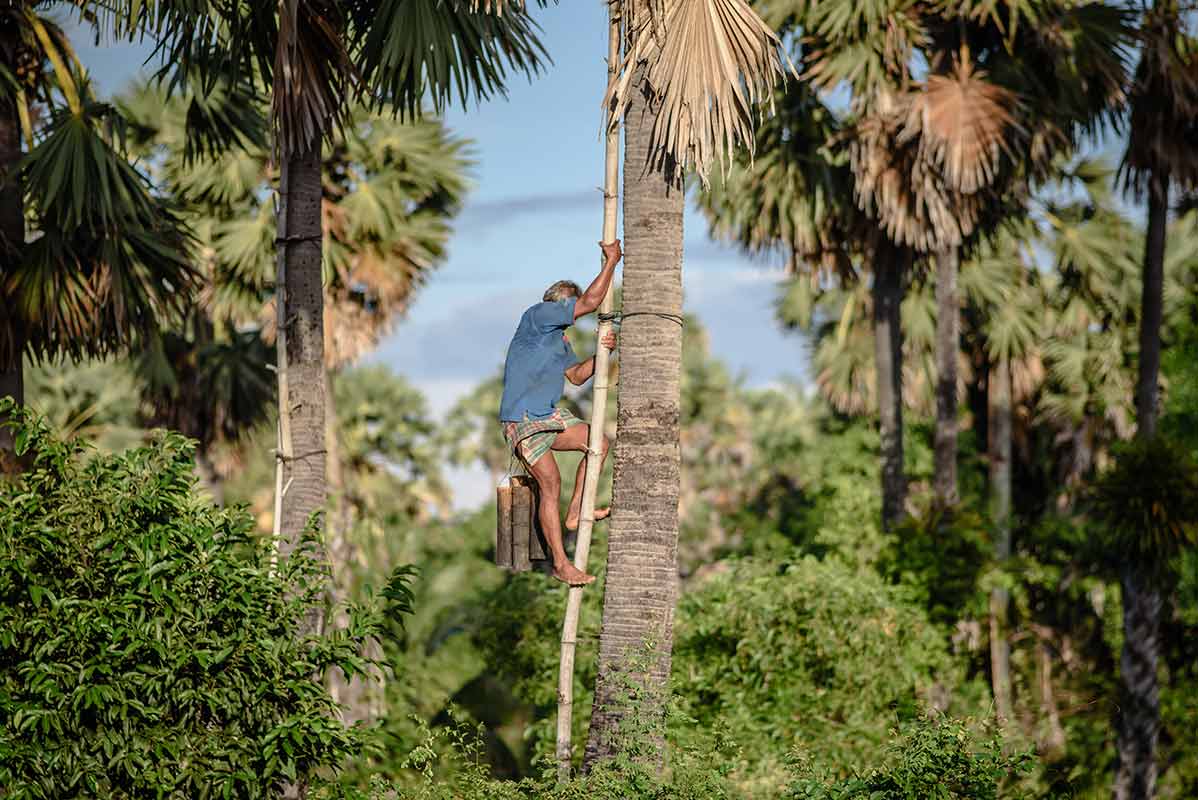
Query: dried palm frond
705, 68
965, 125
895, 183
313, 73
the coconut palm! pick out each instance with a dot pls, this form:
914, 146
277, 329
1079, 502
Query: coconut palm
94, 261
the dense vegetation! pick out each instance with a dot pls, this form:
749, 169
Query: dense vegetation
961, 563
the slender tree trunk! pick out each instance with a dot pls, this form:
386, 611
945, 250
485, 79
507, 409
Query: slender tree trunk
999, 430
642, 573
12, 231
888, 358
1051, 738
1152, 310
948, 345
300, 307
1140, 710
586, 523
1140, 713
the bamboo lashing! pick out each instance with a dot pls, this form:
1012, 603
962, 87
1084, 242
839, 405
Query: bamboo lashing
565, 680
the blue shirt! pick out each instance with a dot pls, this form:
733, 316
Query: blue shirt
534, 374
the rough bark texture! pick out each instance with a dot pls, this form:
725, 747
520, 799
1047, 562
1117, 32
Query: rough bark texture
888, 358
999, 430
301, 315
1152, 311
642, 573
12, 229
1139, 718
948, 343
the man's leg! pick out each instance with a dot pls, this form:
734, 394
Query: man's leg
577, 438
549, 482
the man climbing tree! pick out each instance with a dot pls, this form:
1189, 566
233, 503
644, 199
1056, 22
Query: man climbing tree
539, 360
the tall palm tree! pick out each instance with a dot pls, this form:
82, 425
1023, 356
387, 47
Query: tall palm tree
692, 72
1163, 126
93, 260
642, 572
936, 159
793, 199
1012, 330
319, 56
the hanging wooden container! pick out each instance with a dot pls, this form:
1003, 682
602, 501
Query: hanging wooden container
518, 537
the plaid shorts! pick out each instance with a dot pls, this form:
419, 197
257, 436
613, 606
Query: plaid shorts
533, 438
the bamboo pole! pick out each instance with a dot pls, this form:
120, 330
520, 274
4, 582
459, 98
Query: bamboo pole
565, 678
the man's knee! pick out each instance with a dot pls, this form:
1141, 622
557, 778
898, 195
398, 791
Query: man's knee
547, 477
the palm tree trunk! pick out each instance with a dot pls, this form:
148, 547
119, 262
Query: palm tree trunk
999, 430
888, 358
948, 345
642, 574
1140, 709
1152, 308
300, 308
12, 231
586, 523
1140, 712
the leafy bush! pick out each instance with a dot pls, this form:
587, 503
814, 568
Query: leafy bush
449, 764
811, 652
941, 557
930, 760
148, 647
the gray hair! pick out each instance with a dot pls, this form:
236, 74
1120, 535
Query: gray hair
561, 291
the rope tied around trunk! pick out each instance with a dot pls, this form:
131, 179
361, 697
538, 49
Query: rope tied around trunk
618, 317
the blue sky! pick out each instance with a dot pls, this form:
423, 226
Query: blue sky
534, 216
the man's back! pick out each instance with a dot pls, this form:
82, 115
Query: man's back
537, 359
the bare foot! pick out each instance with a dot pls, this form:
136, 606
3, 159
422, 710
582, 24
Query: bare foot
572, 517
569, 574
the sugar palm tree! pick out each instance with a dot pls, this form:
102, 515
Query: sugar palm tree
793, 199
686, 89
935, 158
1149, 502
390, 191
94, 261
319, 57
1162, 127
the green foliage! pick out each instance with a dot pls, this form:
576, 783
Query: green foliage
929, 759
149, 647
810, 653
1149, 501
448, 763
940, 557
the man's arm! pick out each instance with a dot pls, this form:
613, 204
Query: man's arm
595, 293
581, 372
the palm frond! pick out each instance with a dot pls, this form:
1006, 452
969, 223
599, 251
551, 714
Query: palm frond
313, 73
1163, 123
112, 261
410, 52
965, 125
706, 70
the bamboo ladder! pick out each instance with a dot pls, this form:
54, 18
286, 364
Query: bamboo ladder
586, 522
